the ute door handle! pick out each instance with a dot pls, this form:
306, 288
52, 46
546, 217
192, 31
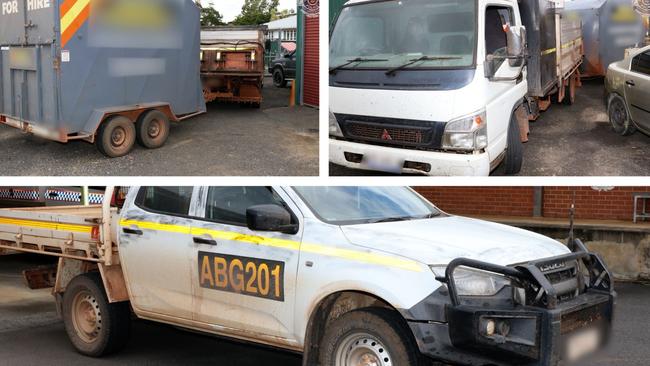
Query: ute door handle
199, 240
630, 82
126, 230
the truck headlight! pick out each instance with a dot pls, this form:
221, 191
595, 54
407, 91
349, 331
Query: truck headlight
474, 282
467, 133
335, 129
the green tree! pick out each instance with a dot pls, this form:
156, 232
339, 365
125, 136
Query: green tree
255, 12
282, 14
210, 17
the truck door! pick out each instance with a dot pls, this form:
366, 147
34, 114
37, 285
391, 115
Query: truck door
244, 279
500, 94
637, 89
156, 251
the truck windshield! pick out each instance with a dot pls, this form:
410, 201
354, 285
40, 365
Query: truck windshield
364, 205
438, 34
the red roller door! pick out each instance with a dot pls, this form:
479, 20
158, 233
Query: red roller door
310, 79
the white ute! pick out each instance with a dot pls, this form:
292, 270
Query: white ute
446, 87
348, 276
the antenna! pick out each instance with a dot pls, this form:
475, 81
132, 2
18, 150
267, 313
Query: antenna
572, 212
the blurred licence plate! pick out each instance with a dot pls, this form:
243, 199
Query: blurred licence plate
383, 163
583, 343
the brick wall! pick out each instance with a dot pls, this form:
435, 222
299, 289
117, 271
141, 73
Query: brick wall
616, 204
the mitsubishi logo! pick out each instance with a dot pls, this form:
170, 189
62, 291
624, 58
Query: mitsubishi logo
386, 136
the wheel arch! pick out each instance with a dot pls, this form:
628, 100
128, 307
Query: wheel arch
329, 308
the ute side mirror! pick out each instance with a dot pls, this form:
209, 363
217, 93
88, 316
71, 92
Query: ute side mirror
516, 45
270, 218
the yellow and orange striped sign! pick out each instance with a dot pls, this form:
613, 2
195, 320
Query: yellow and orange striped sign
74, 13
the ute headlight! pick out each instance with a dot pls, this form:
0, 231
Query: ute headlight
335, 129
474, 282
467, 133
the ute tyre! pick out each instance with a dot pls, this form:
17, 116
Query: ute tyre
278, 78
152, 129
619, 116
374, 335
116, 137
95, 327
515, 150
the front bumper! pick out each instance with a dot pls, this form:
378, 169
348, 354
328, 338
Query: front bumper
539, 332
353, 155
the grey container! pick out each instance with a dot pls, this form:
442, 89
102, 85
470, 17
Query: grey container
609, 27
538, 16
67, 67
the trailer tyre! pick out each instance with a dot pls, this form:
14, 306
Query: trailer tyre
95, 327
372, 336
116, 137
619, 116
152, 129
515, 149
570, 91
278, 78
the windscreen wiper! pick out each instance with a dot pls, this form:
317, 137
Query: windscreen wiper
423, 58
391, 219
334, 69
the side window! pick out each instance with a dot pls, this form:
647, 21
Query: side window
165, 200
641, 63
497, 18
228, 204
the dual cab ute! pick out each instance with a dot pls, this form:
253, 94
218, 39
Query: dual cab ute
346, 276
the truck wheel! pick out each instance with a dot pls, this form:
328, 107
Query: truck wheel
152, 129
619, 116
515, 149
95, 327
371, 336
116, 137
278, 78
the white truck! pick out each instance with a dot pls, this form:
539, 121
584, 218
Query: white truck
446, 87
347, 276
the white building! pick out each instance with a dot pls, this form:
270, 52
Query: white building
284, 29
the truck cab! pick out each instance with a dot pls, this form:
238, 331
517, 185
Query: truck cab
343, 275
441, 88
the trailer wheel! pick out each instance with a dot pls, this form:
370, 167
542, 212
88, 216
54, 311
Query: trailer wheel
619, 116
152, 129
278, 78
116, 137
372, 336
95, 327
515, 149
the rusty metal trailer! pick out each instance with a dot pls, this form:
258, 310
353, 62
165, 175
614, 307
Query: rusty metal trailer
232, 64
108, 73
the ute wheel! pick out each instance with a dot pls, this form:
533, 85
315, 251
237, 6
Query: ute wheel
372, 336
152, 129
278, 78
95, 327
619, 116
515, 149
116, 137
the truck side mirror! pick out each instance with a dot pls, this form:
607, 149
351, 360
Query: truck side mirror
516, 45
270, 218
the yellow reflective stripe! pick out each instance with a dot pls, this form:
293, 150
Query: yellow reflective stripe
566, 45
354, 255
46, 225
72, 14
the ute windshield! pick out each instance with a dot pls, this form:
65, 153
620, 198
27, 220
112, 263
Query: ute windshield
365, 205
394, 33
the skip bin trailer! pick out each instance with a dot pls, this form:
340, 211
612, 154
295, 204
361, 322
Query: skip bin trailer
609, 27
108, 73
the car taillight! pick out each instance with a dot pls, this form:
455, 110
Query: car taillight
94, 233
